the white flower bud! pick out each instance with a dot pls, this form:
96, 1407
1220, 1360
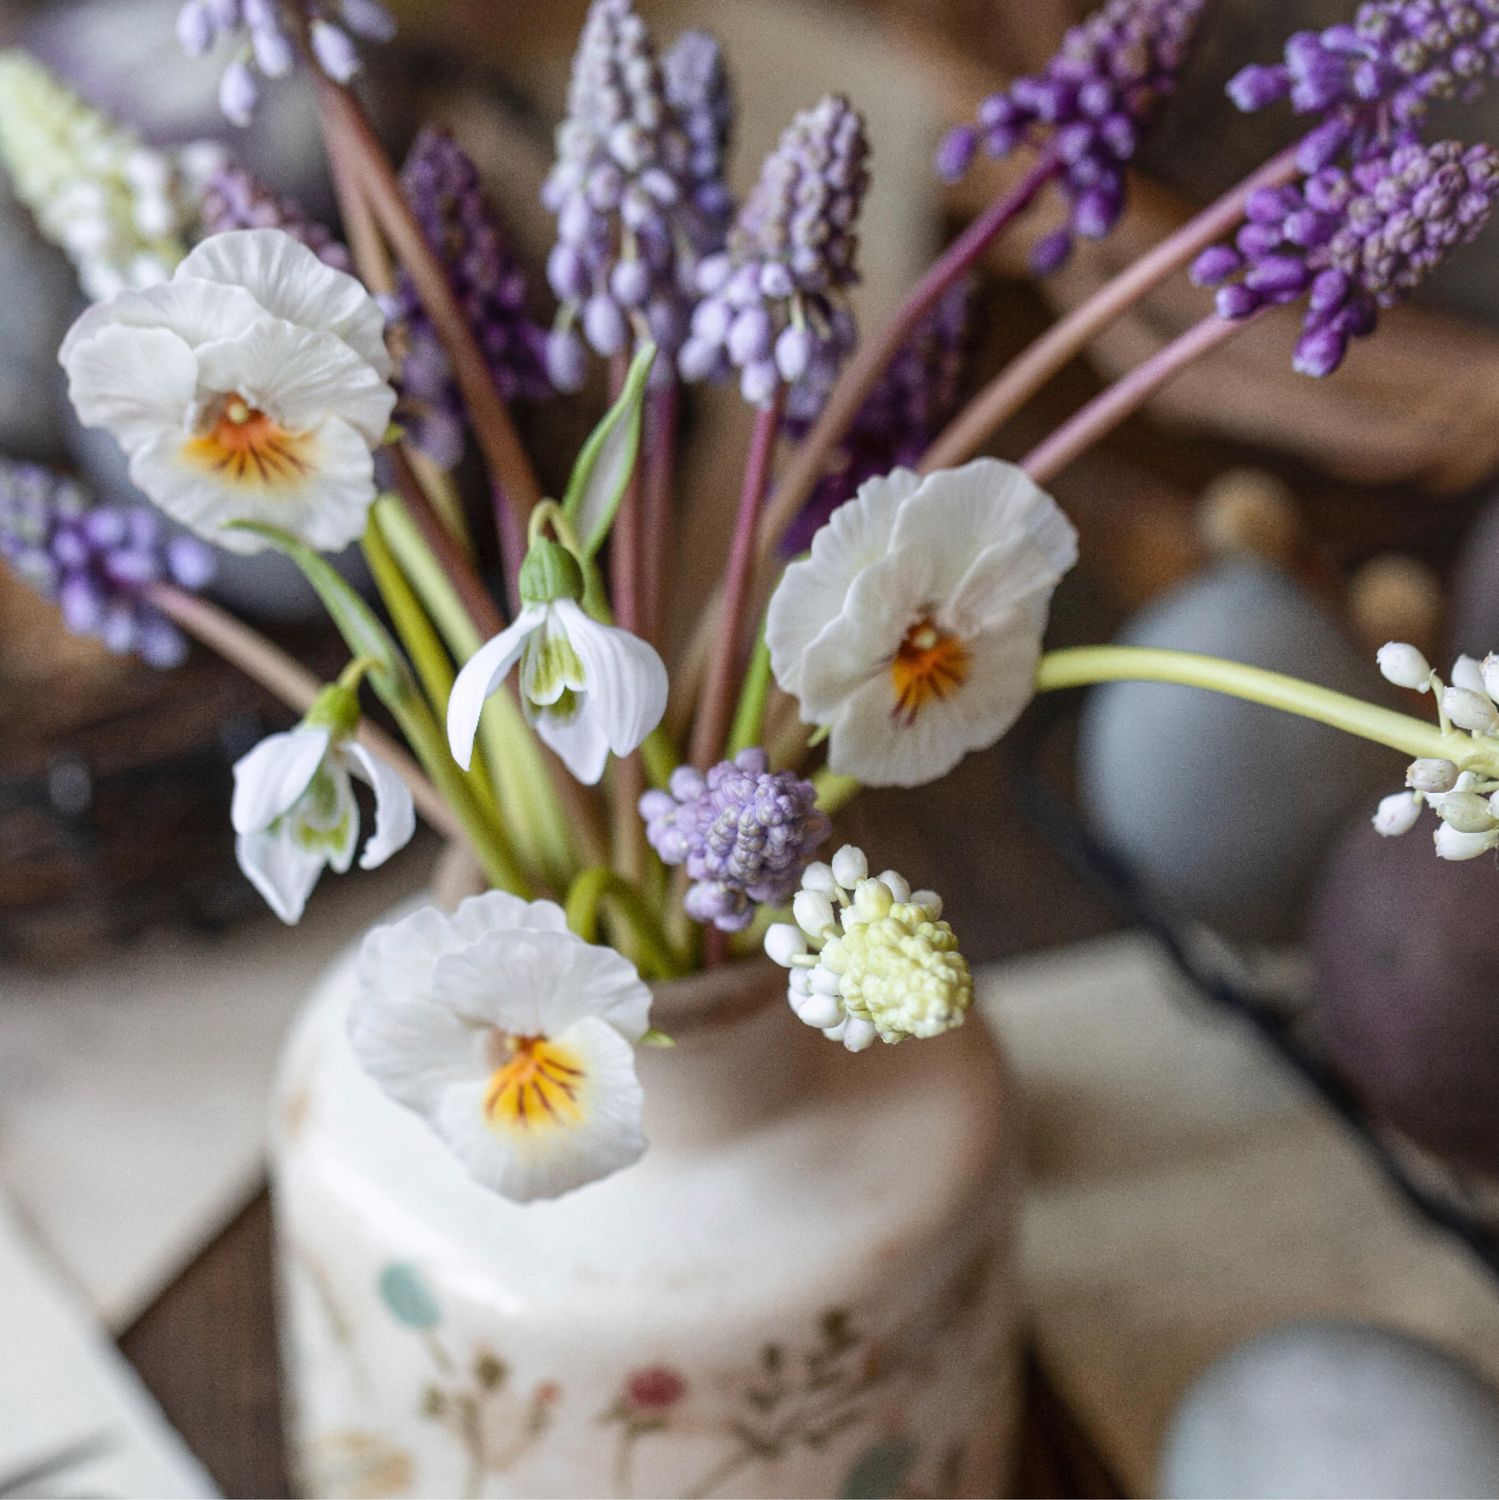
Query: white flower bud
817, 1009
1404, 666
818, 876
783, 942
823, 981
1466, 673
1397, 814
896, 884
1466, 811
850, 867
1452, 843
813, 912
1431, 775
872, 900
1490, 671
855, 1033
930, 900
1469, 710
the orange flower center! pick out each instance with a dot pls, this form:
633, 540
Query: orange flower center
930, 664
537, 1085
240, 443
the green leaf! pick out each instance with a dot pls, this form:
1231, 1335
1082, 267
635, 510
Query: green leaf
602, 472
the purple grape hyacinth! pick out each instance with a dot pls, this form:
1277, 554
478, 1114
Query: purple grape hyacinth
697, 88
1377, 76
773, 302
234, 198
1090, 106
744, 832
264, 34
94, 560
1352, 240
442, 185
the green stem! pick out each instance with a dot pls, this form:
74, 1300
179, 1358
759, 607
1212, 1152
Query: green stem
833, 791
587, 895
749, 717
1083, 666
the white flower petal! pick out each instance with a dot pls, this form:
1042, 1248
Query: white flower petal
414, 1049
290, 282
1003, 578
271, 777
339, 835
280, 869
626, 680
196, 311
482, 675
395, 812
576, 737
134, 381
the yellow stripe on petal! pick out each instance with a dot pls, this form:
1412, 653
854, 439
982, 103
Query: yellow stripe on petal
242, 445
539, 1088
930, 665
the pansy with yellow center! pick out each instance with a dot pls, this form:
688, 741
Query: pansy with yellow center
913, 630
511, 1036
252, 386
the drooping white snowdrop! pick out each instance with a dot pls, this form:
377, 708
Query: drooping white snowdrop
914, 628
252, 386
511, 1036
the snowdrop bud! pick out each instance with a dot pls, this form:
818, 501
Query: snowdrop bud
1465, 811
849, 866
1404, 666
1397, 814
1431, 775
1490, 674
896, 884
1466, 673
1470, 710
783, 942
813, 912
1452, 843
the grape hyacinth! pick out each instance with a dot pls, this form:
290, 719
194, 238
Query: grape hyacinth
234, 198
773, 302
900, 417
1090, 106
264, 35
442, 185
697, 88
622, 189
1377, 76
744, 832
1353, 240
95, 559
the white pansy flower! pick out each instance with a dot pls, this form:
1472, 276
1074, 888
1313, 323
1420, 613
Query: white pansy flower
589, 688
252, 386
868, 957
913, 629
511, 1036
294, 811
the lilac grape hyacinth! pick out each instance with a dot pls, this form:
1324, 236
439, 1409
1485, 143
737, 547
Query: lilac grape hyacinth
1376, 77
622, 188
94, 560
697, 88
1090, 107
442, 185
265, 35
744, 832
1353, 240
235, 198
773, 303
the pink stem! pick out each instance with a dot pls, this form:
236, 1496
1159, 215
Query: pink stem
660, 457
713, 716
1030, 370
1127, 394
512, 538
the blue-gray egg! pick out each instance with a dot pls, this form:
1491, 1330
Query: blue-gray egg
1323, 1409
1225, 807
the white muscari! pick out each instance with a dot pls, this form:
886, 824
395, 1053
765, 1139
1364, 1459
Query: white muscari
913, 629
589, 688
511, 1036
869, 959
252, 386
294, 811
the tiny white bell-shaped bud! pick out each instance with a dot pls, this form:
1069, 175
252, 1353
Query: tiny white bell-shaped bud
1490, 671
1452, 843
850, 866
784, 943
1472, 711
1403, 665
1396, 814
1466, 673
1466, 811
813, 912
896, 884
1431, 774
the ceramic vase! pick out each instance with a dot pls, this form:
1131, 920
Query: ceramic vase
806, 1287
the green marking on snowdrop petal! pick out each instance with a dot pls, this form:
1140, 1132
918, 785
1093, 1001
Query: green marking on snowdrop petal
405, 1293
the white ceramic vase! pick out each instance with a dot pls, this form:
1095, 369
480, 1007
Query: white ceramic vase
806, 1288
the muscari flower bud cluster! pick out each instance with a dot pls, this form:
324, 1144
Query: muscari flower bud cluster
698, 89
1465, 798
1089, 107
1352, 241
94, 560
442, 185
744, 832
773, 305
235, 198
869, 958
264, 36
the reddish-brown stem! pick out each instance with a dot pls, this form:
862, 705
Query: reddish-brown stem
1031, 369
712, 725
660, 457
1127, 394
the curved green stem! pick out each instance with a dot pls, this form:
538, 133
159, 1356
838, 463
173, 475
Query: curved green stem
1083, 666
749, 717
833, 791
585, 899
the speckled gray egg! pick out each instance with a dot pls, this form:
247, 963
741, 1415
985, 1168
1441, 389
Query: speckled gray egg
1406, 950
1324, 1409
1224, 807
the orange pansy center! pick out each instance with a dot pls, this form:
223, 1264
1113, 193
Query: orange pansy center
538, 1085
929, 664
241, 443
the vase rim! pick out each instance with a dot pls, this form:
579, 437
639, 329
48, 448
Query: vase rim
710, 998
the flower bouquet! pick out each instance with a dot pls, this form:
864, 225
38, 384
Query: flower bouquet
884, 593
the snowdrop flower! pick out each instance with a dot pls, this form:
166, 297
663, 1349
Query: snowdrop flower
869, 958
294, 810
913, 629
254, 385
511, 1036
588, 688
